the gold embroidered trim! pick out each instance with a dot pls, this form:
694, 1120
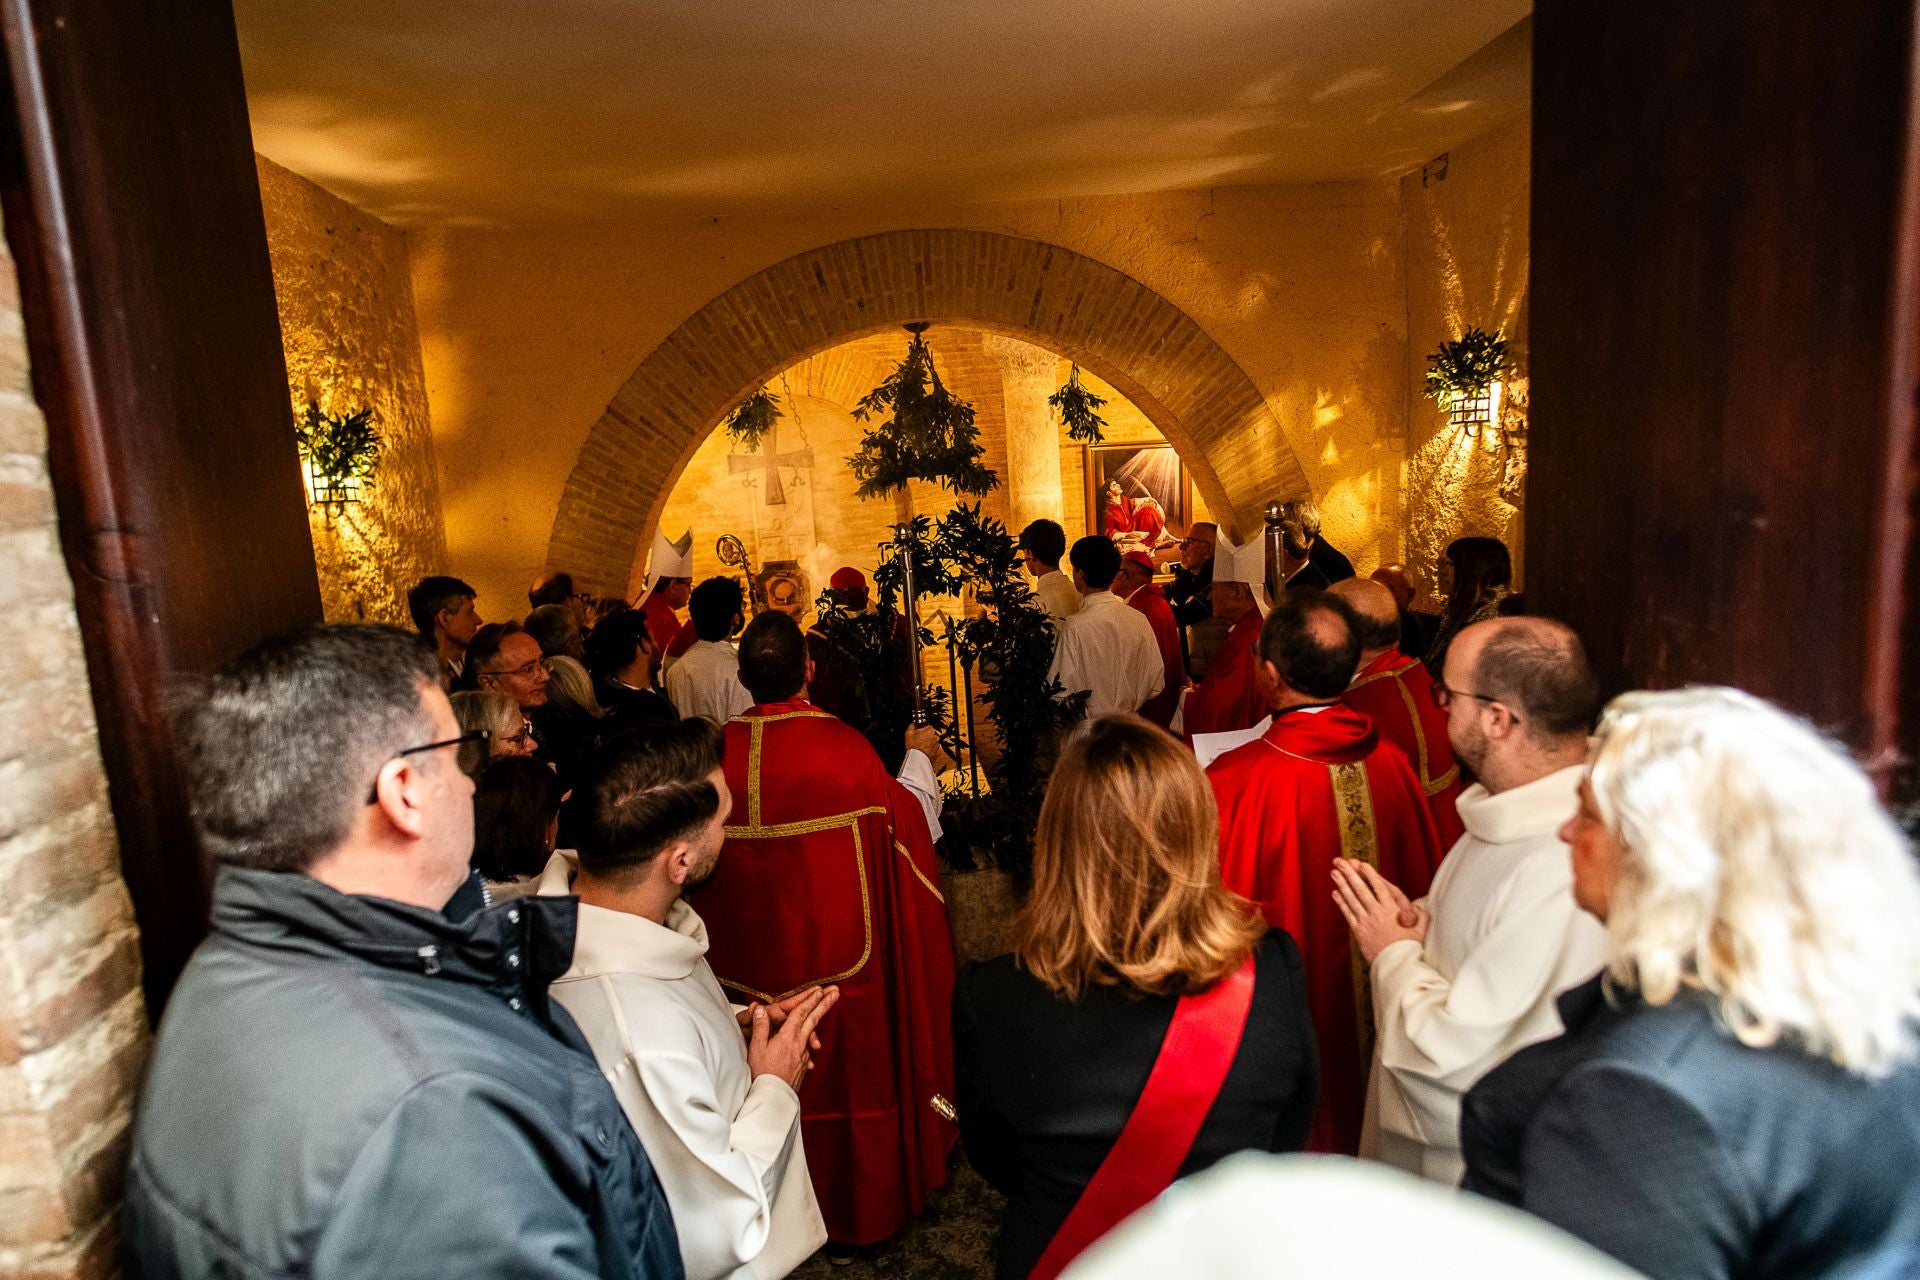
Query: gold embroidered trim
914, 867
754, 831
754, 730
1353, 810
1419, 734
866, 925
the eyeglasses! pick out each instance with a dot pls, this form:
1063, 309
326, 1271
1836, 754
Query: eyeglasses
525, 734
481, 736
582, 595
520, 672
1443, 696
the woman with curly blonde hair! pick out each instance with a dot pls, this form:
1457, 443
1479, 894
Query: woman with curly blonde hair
1127, 952
1737, 1093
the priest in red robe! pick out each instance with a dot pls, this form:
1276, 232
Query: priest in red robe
1134, 584
1396, 693
1320, 785
1230, 696
669, 582
828, 876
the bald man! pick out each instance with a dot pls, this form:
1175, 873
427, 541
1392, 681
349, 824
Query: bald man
1416, 629
1396, 693
1468, 975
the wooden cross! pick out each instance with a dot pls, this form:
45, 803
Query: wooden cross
769, 460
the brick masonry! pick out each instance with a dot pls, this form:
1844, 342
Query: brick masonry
73, 1028
1114, 326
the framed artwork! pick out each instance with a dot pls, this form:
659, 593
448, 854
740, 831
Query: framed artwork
1137, 494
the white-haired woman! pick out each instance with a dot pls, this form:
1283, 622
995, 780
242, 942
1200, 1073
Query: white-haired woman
1736, 1095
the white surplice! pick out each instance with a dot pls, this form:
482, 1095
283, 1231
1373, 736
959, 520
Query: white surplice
1505, 940
1058, 595
1108, 648
706, 682
725, 1144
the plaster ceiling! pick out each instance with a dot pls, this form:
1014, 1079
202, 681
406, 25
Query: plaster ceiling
484, 112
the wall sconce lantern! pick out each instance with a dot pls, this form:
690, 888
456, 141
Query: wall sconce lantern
1463, 377
338, 453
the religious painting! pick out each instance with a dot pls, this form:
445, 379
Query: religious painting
783, 587
1137, 494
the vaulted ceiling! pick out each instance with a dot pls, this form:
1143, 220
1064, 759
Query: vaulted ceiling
502, 112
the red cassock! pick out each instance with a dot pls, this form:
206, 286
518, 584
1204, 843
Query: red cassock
1152, 601
662, 624
1148, 520
1396, 693
828, 876
1230, 698
1118, 517
1319, 786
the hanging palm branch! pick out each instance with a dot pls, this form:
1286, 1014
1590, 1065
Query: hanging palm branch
752, 419
1079, 409
929, 434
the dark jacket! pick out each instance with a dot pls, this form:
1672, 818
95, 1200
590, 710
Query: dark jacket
1330, 561
1190, 594
1045, 1086
350, 1087
1654, 1135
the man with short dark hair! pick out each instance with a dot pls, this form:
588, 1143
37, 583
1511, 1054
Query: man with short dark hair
443, 612
828, 876
1106, 648
1320, 784
1040, 547
346, 1083
556, 629
621, 659
558, 588
503, 657
721, 1117
705, 682
1473, 976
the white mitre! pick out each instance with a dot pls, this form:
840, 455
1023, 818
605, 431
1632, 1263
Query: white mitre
670, 559
1246, 564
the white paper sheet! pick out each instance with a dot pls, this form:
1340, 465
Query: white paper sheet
1211, 746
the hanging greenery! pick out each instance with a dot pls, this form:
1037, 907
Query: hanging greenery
340, 452
929, 434
1079, 409
1465, 368
752, 419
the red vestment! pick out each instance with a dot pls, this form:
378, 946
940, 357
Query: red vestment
1152, 601
662, 624
828, 876
1118, 517
1396, 693
1230, 697
1319, 786
1148, 520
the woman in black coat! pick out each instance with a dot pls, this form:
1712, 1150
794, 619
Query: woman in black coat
1054, 1043
1737, 1094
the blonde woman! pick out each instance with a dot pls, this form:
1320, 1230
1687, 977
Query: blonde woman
1736, 1095
1131, 962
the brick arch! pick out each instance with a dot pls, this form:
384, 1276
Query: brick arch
1111, 324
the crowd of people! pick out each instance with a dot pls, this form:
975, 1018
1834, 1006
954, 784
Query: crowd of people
593, 944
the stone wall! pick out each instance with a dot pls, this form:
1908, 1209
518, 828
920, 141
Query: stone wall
1467, 265
347, 321
73, 1031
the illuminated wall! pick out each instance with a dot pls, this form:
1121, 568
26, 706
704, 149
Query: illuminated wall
347, 321
1467, 259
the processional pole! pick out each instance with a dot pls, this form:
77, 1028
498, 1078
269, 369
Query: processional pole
903, 548
1276, 540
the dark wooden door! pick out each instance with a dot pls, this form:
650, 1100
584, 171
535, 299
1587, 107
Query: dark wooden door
1723, 341
133, 211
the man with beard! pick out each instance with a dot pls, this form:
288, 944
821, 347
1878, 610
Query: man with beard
720, 1114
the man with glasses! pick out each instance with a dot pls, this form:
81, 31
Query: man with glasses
1468, 975
346, 1082
558, 588
1319, 785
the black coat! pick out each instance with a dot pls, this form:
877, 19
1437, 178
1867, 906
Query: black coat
1654, 1135
346, 1087
1045, 1086
1190, 594
1330, 561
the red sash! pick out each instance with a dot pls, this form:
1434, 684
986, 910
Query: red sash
1200, 1046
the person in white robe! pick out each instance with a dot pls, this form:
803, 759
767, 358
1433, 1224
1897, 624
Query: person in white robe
1108, 647
1040, 547
1469, 974
718, 1112
705, 681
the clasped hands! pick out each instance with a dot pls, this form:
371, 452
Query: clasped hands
1377, 912
788, 1052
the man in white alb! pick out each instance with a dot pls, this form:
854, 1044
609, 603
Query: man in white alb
1041, 546
719, 1114
705, 682
1107, 648
1469, 974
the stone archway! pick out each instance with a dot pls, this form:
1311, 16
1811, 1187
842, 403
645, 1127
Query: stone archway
1108, 322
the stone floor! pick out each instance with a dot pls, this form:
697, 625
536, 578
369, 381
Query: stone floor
953, 1240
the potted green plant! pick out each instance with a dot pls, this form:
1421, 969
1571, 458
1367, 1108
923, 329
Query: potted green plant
340, 452
1461, 374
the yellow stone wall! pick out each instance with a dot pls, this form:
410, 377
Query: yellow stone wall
1467, 265
347, 321
529, 333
